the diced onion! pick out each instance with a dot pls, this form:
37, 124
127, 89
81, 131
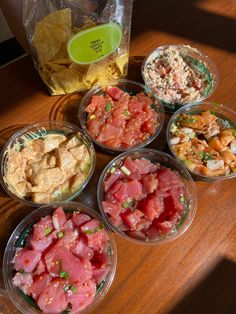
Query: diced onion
215, 164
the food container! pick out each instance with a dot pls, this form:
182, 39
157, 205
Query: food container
47, 145
119, 118
25, 303
178, 75
208, 131
152, 192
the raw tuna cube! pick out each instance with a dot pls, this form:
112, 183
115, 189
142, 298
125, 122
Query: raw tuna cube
53, 299
58, 218
81, 296
107, 132
95, 234
27, 260
168, 179
135, 106
164, 227
41, 268
151, 206
149, 183
80, 218
129, 190
177, 194
100, 259
23, 281
39, 284
114, 92
112, 178
140, 166
131, 219
43, 244
82, 250
69, 225
42, 228
59, 261
112, 208
99, 274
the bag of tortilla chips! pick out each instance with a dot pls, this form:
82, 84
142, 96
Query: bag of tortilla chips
78, 43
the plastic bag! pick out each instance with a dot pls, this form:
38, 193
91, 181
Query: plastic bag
78, 43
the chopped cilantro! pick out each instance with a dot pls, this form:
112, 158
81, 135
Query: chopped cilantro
108, 107
47, 230
64, 274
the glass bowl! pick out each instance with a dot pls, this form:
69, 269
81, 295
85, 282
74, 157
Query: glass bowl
25, 303
188, 199
41, 130
131, 88
178, 89
226, 118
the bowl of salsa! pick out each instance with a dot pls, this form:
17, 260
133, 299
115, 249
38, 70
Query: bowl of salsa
47, 162
147, 196
178, 75
203, 138
61, 258
121, 116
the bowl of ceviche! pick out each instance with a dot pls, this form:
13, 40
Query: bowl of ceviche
178, 75
47, 162
203, 138
61, 258
121, 116
147, 196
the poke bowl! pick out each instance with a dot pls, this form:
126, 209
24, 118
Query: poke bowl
47, 162
178, 75
147, 196
61, 258
121, 116
203, 138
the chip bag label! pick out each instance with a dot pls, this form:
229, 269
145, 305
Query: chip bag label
95, 43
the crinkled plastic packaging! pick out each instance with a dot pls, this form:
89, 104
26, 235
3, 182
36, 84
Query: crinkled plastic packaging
77, 44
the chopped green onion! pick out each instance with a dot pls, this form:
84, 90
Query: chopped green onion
190, 120
60, 234
73, 289
125, 170
63, 274
113, 170
108, 107
213, 112
92, 117
66, 288
127, 113
88, 231
181, 199
99, 228
128, 204
205, 156
47, 230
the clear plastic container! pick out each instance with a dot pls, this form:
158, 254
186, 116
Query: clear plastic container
198, 62
165, 160
226, 116
39, 130
132, 88
26, 304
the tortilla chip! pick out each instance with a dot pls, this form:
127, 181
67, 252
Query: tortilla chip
61, 19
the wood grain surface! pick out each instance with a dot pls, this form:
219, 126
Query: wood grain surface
197, 272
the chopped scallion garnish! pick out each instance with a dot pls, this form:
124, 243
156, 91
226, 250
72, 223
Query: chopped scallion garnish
108, 107
63, 274
47, 230
125, 170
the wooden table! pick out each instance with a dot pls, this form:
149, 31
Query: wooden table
197, 272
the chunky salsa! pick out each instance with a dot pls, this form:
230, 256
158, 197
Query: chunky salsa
144, 200
64, 262
205, 143
119, 120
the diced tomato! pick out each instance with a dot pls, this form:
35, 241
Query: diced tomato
81, 296
27, 260
149, 183
58, 218
80, 218
114, 92
39, 284
52, 299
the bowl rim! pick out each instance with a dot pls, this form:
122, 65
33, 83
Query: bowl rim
191, 187
21, 132
207, 60
25, 222
189, 108
98, 88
